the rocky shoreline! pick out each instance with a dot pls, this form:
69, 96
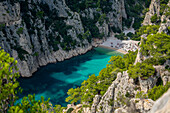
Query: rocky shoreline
35, 40
54, 57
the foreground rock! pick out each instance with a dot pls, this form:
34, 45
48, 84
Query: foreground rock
162, 105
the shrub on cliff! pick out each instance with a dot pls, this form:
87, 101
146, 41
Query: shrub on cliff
8, 83
163, 4
70, 110
30, 105
20, 30
142, 70
158, 91
149, 29
154, 18
156, 45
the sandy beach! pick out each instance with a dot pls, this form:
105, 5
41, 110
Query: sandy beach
122, 46
119, 50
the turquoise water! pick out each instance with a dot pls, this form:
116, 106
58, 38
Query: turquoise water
54, 80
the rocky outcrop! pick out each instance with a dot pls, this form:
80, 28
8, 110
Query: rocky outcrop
145, 85
125, 89
104, 28
75, 107
136, 106
162, 104
163, 73
118, 7
120, 96
165, 21
96, 100
9, 14
153, 9
123, 85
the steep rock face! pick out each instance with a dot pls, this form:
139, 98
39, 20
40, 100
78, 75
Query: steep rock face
38, 32
165, 21
163, 73
120, 96
112, 98
32, 49
9, 13
139, 56
153, 9
118, 10
96, 100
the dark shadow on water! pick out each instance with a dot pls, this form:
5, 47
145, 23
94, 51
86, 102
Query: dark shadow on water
47, 79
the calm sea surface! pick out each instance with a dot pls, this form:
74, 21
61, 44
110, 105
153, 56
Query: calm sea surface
54, 80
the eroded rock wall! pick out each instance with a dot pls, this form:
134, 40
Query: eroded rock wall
38, 32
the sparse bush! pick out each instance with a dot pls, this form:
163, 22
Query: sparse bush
158, 91
142, 70
130, 34
154, 18
70, 110
20, 30
141, 95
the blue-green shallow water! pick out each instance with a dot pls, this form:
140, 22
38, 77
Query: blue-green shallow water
54, 80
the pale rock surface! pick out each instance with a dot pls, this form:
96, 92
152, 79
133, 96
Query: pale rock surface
161, 72
96, 100
5, 16
109, 101
153, 9
34, 40
103, 28
165, 21
141, 105
145, 85
162, 105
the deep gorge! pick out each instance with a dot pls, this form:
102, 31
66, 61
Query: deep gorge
50, 44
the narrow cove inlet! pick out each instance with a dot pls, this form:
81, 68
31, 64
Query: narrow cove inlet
54, 80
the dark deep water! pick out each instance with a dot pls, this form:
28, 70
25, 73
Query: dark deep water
54, 80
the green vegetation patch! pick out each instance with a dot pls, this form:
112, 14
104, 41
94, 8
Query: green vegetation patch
9, 85
70, 110
20, 30
158, 91
154, 18
163, 6
134, 9
148, 29
142, 70
156, 45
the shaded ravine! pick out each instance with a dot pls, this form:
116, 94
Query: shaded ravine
54, 80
